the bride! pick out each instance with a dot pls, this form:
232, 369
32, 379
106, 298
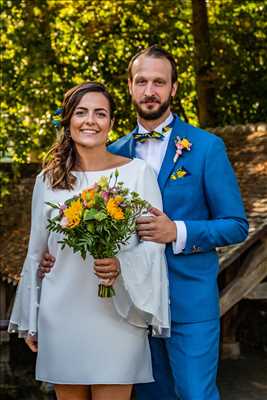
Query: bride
87, 346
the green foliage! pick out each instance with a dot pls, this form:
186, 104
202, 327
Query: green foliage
238, 32
4, 183
50, 45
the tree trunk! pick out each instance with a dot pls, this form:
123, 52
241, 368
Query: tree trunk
204, 74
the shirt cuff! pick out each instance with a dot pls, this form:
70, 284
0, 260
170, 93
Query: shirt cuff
181, 236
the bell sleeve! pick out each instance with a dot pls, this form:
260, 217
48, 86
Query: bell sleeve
142, 290
24, 315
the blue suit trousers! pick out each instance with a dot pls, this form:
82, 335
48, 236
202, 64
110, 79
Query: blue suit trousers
184, 365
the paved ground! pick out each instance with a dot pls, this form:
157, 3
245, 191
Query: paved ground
243, 379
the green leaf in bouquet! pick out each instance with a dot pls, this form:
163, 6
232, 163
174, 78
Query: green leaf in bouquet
135, 195
83, 254
63, 244
86, 241
107, 232
97, 197
100, 216
99, 228
90, 227
90, 214
57, 206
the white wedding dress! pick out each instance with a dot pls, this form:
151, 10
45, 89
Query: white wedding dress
84, 339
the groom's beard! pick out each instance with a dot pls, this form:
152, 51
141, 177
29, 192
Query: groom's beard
151, 115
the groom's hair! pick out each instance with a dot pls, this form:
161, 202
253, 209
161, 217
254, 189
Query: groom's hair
156, 52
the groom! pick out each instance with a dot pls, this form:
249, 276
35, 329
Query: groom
202, 210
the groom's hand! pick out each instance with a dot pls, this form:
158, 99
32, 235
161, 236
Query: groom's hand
46, 265
157, 228
32, 342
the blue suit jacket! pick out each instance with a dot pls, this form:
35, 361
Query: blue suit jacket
208, 201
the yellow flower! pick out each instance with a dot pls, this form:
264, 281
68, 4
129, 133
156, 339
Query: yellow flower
73, 213
181, 173
103, 182
113, 210
118, 199
186, 144
118, 214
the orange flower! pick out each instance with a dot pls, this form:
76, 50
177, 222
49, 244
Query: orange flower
88, 197
113, 210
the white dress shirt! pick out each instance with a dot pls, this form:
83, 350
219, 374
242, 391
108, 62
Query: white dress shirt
153, 152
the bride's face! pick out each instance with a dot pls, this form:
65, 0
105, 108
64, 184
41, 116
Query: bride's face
91, 121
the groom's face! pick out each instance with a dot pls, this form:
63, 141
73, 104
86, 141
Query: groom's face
151, 86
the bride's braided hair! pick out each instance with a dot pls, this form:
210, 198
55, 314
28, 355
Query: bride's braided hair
61, 158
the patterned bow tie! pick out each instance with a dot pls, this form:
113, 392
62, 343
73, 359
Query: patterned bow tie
143, 137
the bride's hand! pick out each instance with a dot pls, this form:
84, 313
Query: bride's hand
31, 341
107, 269
108, 282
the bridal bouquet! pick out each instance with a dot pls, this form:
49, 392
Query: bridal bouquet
99, 220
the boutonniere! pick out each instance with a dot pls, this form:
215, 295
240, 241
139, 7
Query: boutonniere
181, 144
180, 173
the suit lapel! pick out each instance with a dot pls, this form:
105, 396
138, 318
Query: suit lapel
128, 148
132, 144
168, 164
